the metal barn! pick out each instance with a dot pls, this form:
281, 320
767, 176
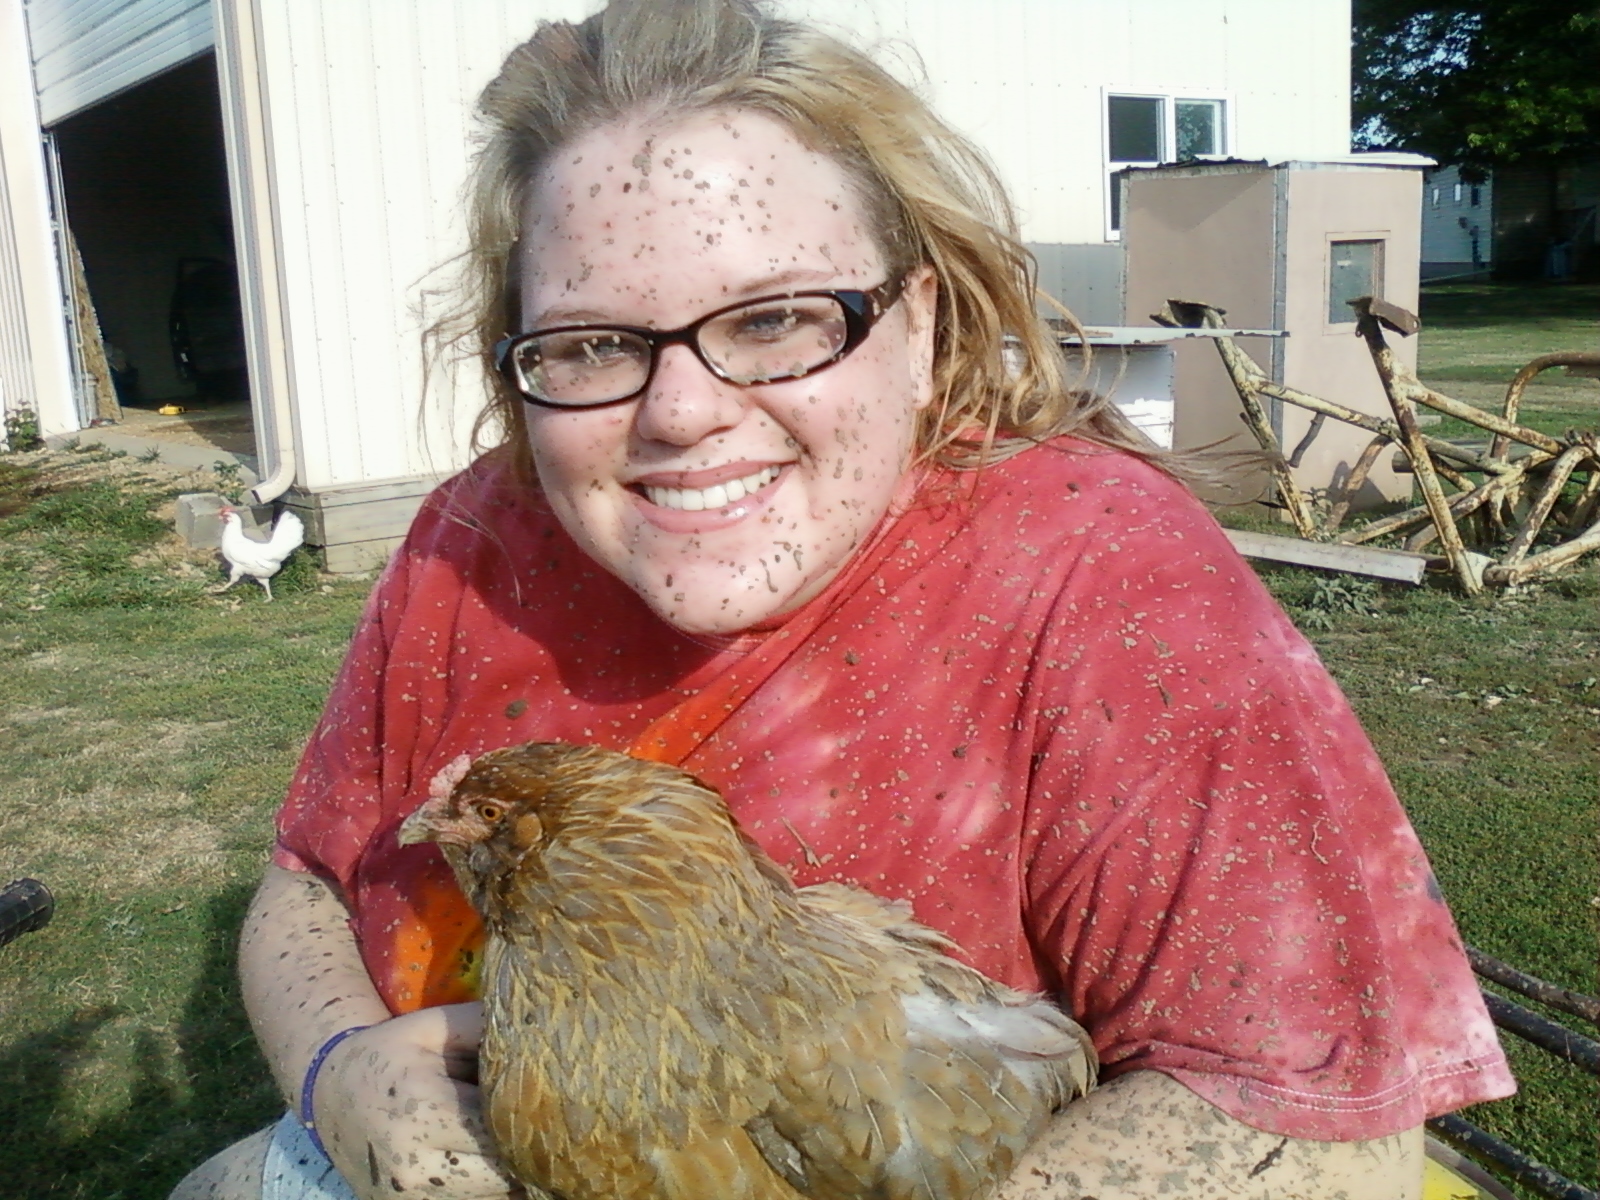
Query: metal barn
159, 158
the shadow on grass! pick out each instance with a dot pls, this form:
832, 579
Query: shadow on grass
167, 1127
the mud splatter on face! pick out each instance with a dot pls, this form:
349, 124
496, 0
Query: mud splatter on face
721, 505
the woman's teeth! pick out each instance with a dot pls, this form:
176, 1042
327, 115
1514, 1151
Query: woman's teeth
718, 496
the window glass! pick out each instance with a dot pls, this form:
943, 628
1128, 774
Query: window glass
1135, 128
1199, 128
1355, 269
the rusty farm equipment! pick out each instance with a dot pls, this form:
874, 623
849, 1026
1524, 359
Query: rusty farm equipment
1523, 503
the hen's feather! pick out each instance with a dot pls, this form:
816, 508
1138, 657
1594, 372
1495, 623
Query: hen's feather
666, 1015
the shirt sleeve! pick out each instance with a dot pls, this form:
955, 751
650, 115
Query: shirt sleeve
1218, 869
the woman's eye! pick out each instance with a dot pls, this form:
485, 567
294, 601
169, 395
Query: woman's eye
769, 324
591, 353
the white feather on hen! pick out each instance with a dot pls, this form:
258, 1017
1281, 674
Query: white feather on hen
259, 560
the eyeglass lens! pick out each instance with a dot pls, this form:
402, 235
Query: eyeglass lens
757, 343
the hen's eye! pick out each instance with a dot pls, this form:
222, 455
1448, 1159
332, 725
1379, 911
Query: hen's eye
490, 811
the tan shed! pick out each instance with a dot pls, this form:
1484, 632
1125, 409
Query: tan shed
1283, 247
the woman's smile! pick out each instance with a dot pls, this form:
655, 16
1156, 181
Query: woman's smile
699, 501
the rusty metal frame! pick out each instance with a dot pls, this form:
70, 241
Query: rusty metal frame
1537, 480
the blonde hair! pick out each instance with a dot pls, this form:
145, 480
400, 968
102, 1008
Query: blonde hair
928, 195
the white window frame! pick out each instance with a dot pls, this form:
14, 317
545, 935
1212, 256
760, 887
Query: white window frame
1168, 134
1383, 237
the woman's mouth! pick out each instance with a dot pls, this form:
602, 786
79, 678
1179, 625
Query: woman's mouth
717, 496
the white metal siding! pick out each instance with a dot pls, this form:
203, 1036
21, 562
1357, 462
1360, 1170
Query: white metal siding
370, 124
35, 369
1026, 79
16, 364
370, 105
87, 50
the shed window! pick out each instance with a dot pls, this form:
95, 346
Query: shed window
1145, 131
1355, 269
1135, 128
1199, 128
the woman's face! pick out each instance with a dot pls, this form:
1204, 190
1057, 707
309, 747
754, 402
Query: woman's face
657, 226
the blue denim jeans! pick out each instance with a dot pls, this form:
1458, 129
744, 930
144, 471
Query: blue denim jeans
296, 1170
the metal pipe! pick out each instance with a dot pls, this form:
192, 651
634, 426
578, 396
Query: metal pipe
1393, 377
1544, 500
1524, 1170
1519, 382
1547, 560
1576, 1003
1544, 1033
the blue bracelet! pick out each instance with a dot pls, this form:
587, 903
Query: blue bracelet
306, 1117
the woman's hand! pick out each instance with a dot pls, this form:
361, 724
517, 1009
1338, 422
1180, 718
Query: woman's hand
395, 1104
1145, 1134
398, 1110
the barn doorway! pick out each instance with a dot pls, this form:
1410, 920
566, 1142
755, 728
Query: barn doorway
144, 180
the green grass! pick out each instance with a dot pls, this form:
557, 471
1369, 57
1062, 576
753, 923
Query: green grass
150, 731
1476, 335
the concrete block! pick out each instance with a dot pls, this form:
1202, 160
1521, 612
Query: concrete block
200, 519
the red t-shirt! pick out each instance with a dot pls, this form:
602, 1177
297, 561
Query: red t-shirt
1062, 718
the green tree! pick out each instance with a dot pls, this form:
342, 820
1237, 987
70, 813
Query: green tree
1480, 84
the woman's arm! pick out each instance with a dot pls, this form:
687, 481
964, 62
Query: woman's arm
1144, 1134
394, 1104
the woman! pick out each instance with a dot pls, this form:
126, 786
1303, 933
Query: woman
761, 302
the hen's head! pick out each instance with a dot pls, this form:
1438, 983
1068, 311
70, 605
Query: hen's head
567, 818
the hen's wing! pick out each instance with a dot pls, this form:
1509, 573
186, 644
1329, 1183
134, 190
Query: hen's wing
565, 1104
932, 1088
262, 559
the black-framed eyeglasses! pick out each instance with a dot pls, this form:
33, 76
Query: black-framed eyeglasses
766, 340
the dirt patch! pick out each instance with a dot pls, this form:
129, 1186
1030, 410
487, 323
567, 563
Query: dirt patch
228, 427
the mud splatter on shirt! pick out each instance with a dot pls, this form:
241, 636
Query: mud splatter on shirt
1064, 721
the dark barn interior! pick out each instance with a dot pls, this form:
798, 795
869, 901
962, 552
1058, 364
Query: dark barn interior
146, 186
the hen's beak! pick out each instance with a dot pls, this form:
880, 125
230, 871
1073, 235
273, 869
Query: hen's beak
431, 823
418, 827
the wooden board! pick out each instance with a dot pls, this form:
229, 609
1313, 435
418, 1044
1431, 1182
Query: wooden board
372, 512
1331, 556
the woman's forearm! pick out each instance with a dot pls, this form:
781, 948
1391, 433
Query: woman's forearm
301, 973
395, 1106
1144, 1134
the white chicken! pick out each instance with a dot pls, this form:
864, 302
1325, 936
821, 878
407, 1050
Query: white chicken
259, 560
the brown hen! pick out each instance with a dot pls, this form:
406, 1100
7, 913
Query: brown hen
668, 1016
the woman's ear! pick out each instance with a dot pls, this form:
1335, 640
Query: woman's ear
921, 299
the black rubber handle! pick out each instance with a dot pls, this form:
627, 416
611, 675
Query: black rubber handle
25, 905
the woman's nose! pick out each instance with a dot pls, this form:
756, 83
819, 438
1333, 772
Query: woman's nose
685, 403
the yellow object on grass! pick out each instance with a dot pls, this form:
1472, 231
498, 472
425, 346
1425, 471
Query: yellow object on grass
1439, 1182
